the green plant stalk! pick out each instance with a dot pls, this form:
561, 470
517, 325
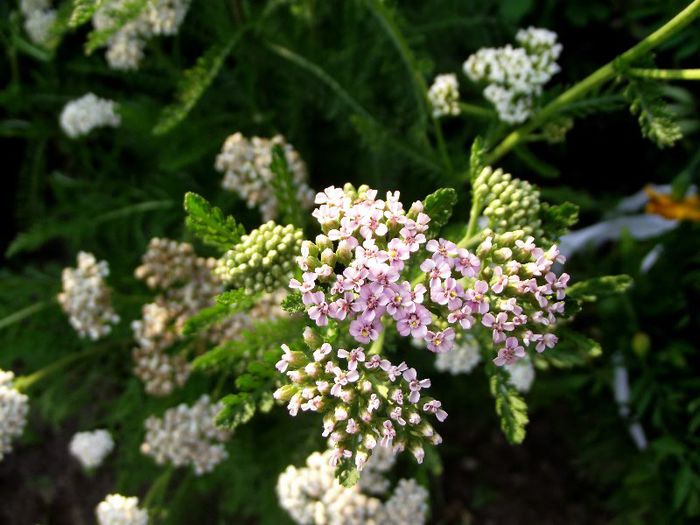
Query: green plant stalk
597, 78
158, 489
24, 383
664, 74
473, 110
23, 313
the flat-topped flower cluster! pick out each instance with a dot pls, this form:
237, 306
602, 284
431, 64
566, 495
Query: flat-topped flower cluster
14, 407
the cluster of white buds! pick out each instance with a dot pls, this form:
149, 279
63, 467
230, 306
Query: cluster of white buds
14, 407
80, 116
263, 260
91, 448
125, 48
120, 510
514, 76
522, 374
39, 20
444, 95
187, 285
366, 401
509, 203
87, 299
312, 496
462, 359
246, 165
187, 436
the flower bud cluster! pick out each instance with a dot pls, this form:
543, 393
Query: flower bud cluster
187, 436
39, 19
263, 259
515, 76
312, 496
522, 375
119, 510
246, 163
444, 95
188, 285
125, 48
507, 286
14, 407
462, 359
87, 299
80, 116
509, 203
352, 273
365, 400
90, 448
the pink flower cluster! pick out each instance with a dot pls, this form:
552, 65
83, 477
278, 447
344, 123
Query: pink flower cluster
365, 400
512, 292
375, 238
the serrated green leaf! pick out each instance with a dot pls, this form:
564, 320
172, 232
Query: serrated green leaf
120, 14
208, 223
558, 219
205, 318
347, 474
477, 158
194, 83
83, 10
438, 206
510, 406
236, 299
290, 211
293, 303
657, 121
238, 409
592, 289
573, 349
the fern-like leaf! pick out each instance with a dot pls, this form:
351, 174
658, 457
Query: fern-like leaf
83, 10
123, 14
657, 121
510, 406
210, 225
290, 211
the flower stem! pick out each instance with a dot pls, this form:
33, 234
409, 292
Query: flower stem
597, 78
664, 74
475, 111
158, 488
24, 383
23, 313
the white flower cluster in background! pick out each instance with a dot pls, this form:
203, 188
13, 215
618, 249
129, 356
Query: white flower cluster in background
444, 95
245, 164
14, 407
91, 448
39, 19
125, 49
515, 75
87, 299
462, 359
312, 496
80, 116
187, 436
522, 374
119, 510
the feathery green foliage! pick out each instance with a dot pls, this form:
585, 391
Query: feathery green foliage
656, 120
120, 15
438, 206
208, 223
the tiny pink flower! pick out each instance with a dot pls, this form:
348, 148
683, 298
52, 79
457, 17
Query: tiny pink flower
365, 332
322, 352
467, 263
415, 323
440, 342
414, 384
353, 356
434, 407
510, 353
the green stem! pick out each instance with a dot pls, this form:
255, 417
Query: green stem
24, 313
597, 78
664, 74
158, 488
475, 111
24, 383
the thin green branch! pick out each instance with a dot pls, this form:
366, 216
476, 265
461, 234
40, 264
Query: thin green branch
597, 78
23, 313
664, 74
475, 111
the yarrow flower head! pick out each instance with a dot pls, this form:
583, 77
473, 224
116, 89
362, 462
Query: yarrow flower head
187, 436
444, 95
522, 374
462, 359
246, 165
514, 76
125, 47
119, 510
80, 116
87, 299
39, 20
312, 495
14, 407
91, 448
263, 260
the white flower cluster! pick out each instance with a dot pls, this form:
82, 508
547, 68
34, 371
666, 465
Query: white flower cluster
39, 19
245, 164
14, 407
119, 510
187, 436
462, 359
444, 95
515, 75
312, 496
91, 448
87, 299
80, 116
125, 48
522, 374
